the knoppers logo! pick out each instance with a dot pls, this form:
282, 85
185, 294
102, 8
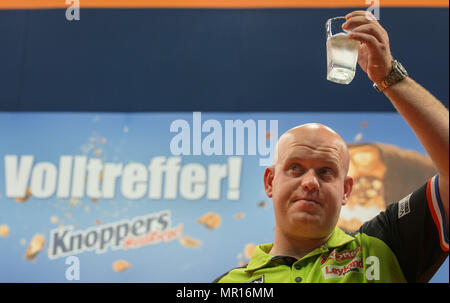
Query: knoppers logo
126, 234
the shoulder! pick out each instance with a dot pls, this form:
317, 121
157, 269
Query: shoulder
221, 278
260, 258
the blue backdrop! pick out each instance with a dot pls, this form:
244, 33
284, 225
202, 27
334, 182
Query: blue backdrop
160, 65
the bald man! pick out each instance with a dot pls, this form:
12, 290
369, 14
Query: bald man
307, 158
308, 184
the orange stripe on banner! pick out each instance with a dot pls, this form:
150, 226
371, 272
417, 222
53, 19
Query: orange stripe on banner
49, 4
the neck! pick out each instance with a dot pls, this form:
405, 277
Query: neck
294, 246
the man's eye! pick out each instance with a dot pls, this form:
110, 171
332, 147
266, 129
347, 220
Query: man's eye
326, 171
294, 167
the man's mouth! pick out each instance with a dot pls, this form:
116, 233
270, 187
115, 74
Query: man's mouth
307, 200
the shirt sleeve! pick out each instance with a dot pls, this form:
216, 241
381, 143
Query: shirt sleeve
414, 229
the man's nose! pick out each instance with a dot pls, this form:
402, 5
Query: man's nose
309, 181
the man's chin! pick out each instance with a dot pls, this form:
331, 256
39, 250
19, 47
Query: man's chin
306, 219
307, 225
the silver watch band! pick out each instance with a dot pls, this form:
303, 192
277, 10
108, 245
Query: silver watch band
397, 74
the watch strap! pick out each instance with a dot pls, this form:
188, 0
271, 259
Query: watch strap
397, 74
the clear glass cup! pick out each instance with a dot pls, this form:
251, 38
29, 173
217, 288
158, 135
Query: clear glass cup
342, 52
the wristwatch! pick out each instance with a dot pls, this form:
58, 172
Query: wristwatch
397, 74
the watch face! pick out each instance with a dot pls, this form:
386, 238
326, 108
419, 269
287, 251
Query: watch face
401, 68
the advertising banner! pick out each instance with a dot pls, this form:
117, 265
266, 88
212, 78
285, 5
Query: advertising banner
170, 197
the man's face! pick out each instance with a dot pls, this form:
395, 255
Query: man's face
308, 183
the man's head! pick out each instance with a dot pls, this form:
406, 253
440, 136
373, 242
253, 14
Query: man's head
308, 181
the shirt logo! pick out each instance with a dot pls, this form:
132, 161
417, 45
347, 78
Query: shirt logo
403, 206
340, 256
257, 280
332, 271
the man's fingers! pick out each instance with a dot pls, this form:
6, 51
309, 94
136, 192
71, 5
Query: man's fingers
376, 48
360, 20
369, 40
359, 23
371, 30
367, 14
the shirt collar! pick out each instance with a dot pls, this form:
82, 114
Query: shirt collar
261, 257
338, 238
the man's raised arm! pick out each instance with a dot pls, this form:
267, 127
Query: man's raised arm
427, 116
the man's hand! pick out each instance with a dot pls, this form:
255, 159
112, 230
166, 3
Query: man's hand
426, 115
374, 55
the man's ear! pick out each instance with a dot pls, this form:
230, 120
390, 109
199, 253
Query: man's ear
268, 179
348, 185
